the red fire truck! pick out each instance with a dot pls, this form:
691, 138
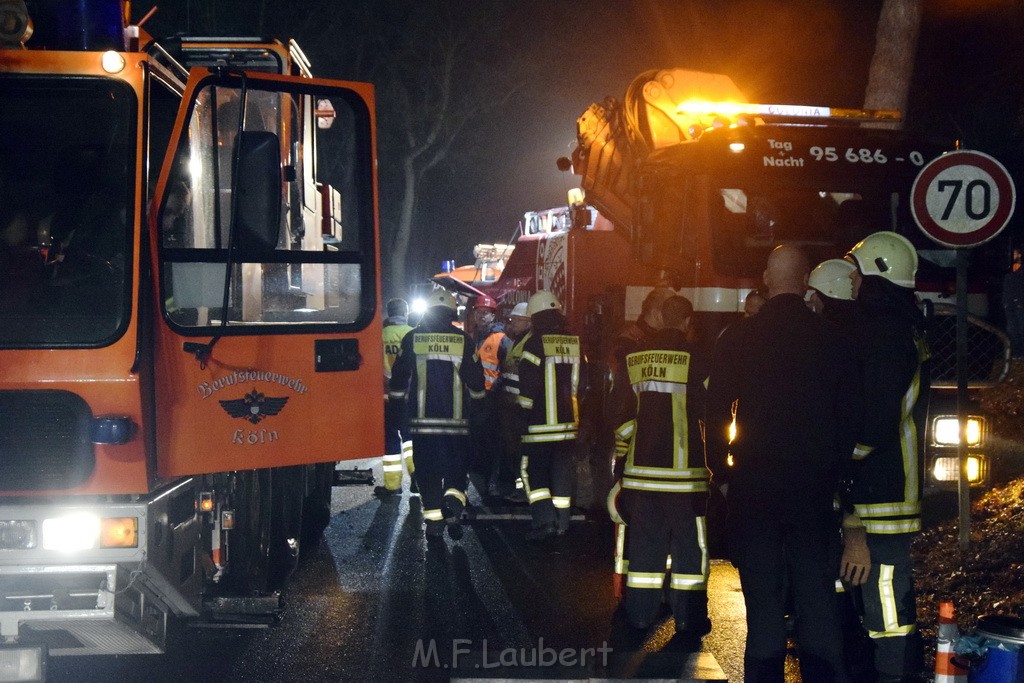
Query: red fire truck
189, 322
689, 185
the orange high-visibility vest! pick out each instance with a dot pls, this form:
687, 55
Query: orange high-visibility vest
488, 354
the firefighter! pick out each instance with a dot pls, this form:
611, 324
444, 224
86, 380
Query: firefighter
886, 484
832, 298
832, 292
437, 374
549, 376
397, 452
664, 480
512, 428
782, 407
492, 346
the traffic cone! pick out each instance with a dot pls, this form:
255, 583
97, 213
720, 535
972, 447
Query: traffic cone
947, 669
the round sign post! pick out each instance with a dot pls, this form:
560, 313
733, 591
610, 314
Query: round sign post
962, 199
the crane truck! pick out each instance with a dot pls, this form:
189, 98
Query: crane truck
189, 322
689, 185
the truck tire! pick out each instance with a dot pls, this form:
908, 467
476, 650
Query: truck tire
250, 540
288, 494
316, 511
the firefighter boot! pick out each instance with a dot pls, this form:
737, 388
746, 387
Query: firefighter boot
454, 504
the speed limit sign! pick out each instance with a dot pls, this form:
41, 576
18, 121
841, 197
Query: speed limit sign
963, 198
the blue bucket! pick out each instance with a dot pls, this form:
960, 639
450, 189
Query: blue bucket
1003, 662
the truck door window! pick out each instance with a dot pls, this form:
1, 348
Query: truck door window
67, 169
320, 271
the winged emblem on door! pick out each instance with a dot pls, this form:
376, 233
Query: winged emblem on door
254, 406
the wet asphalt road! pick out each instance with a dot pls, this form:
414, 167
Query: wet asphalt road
374, 602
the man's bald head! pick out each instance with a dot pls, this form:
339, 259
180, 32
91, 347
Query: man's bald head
787, 271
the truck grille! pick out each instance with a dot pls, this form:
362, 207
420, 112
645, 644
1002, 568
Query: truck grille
44, 440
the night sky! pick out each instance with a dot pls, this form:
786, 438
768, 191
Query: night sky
558, 56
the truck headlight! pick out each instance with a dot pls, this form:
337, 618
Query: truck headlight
947, 468
22, 663
946, 431
79, 531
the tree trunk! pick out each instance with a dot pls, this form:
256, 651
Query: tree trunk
893, 63
403, 232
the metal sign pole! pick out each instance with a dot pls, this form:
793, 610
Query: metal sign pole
963, 485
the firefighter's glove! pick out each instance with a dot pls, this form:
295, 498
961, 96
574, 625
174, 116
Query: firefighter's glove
856, 561
613, 503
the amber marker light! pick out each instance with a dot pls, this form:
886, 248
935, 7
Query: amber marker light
119, 532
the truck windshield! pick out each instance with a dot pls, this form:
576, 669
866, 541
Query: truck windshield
67, 161
825, 220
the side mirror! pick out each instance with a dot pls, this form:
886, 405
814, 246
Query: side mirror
258, 222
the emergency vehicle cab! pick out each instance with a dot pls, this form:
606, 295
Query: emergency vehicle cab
188, 276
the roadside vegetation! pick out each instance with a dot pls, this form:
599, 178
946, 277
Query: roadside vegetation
987, 578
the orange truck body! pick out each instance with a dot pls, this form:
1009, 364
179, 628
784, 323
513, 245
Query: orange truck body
171, 458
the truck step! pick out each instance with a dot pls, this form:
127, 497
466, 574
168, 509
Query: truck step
353, 477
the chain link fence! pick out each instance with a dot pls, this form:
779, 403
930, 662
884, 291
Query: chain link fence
988, 350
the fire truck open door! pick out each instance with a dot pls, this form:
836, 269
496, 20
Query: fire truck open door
266, 325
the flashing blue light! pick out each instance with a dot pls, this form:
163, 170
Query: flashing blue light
91, 25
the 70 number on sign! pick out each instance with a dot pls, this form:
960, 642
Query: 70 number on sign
966, 203
963, 198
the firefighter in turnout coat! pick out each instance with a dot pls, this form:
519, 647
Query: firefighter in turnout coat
660, 454
549, 376
886, 486
438, 375
397, 451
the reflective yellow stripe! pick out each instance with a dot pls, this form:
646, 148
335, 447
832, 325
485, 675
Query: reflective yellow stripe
524, 461
702, 541
562, 502
665, 486
537, 495
455, 493
433, 515
548, 438
552, 427
626, 430
524, 402
908, 436
897, 633
645, 580
861, 451
903, 526
550, 394
527, 356
667, 472
890, 615
689, 582
887, 509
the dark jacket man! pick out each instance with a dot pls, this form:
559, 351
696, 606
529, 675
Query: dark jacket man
790, 379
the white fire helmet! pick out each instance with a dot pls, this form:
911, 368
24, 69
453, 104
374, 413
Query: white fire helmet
442, 297
542, 301
887, 255
831, 278
519, 311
